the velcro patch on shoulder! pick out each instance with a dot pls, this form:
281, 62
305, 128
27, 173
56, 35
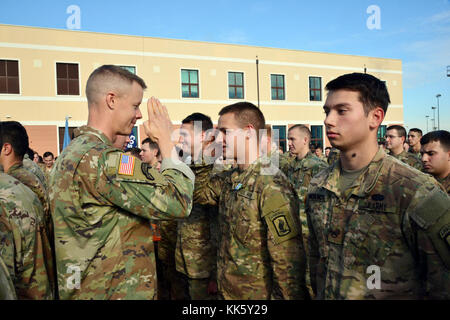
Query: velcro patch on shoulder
430, 209
445, 233
281, 226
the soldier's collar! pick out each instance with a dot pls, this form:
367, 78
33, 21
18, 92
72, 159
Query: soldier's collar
366, 181
89, 130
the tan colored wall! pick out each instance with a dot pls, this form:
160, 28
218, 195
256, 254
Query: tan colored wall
159, 61
43, 139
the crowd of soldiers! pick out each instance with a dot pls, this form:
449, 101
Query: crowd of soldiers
221, 213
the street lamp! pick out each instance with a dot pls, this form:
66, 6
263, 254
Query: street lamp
434, 118
437, 97
427, 122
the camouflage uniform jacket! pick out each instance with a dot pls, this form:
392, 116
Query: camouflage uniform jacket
23, 240
260, 250
31, 181
195, 254
34, 168
410, 159
7, 291
333, 155
101, 202
393, 218
300, 173
445, 183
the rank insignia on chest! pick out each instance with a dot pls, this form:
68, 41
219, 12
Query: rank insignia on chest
126, 165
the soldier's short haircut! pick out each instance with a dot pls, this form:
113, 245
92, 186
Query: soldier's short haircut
400, 130
416, 130
15, 134
200, 117
102, 79
372, 91
443, 136
48, 154
319, 147
304, 129
246, 113
328, 148
134, 151
152, 144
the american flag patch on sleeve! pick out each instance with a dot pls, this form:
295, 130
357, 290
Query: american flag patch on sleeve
126, 166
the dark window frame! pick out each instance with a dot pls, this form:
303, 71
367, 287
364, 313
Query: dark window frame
68, 80
8, 79
236, 86
317, 141
282, 142
189, 84
276, 88
312, 90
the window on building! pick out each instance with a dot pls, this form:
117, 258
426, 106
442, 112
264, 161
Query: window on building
9, 76
235, 85
189, 83
315, 89
61, 136
67, 79
317, 136
129, 68
381, 133
277, 84
281, 136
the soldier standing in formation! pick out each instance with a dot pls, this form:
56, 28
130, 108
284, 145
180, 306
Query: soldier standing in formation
435, 150
395, 137
102, 200
369, 212
414, 136
300, 171
260, 253
196, 247
23, 239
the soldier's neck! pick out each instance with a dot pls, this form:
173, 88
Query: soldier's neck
8, 162
359, 156
416, 148
444, 174
397, 151
302, 154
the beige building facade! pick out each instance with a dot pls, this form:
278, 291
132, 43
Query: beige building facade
43, 74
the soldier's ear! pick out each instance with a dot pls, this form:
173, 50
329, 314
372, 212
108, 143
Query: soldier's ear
7, 149
110, 100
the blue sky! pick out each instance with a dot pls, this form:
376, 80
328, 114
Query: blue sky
415, 31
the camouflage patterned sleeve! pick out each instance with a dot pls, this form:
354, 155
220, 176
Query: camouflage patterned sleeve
140, 189
208, 192
22, 252
279, 209
431, 222
313, 250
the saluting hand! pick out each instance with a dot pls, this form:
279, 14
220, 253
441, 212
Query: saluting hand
159, 127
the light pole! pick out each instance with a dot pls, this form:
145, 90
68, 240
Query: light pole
427, 122
434, 118
437, 97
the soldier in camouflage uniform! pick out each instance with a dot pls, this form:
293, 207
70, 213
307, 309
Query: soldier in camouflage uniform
260, 254
435, 150
7, 291
378, 228
333, 155
196, 248
34, 169
15, 142
414, 136
395, 137
22, 239
49, 162
300, 171
102, 200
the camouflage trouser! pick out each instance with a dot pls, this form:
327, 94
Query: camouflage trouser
198, 289
171, 283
